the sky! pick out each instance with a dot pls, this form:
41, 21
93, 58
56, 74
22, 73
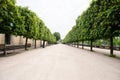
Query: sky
58, 15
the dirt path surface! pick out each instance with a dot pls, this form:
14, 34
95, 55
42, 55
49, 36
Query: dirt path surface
59, 62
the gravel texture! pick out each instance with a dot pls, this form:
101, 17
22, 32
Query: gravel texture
59, 62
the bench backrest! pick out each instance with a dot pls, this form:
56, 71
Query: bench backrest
2, 46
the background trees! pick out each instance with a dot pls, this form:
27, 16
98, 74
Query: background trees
57, 35
48, 36
100, 21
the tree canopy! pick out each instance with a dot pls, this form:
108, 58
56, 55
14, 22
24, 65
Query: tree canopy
57, 35
100, 21
22, 21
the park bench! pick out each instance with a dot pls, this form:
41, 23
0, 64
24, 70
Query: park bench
2, 47
5, 48
117, 48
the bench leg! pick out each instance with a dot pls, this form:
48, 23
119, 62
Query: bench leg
5, 53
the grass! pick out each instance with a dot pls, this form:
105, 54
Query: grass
114, 56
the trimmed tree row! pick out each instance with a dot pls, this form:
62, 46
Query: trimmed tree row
100, 21
21, 21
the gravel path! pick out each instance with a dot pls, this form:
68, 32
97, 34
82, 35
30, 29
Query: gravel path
59, 62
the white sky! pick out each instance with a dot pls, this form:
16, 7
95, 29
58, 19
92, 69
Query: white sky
58, 15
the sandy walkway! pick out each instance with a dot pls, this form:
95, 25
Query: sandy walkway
59, 62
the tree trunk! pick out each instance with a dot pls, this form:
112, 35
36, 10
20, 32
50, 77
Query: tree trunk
77, 44
26, 43
43, 44
35, 43
82, 44
5, 53
91, 45
73, 44
111, 44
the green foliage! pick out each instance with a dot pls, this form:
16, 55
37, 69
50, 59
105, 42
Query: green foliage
100, 21
114, 56
57, 35
117, 41
97, 22
8, 15
22, 21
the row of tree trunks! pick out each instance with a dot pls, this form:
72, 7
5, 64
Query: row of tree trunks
43, 45
26, 47
91, 44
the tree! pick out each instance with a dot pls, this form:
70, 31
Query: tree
109, 19
10, 18
22, 21
30, 24
100, 21
57, 35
